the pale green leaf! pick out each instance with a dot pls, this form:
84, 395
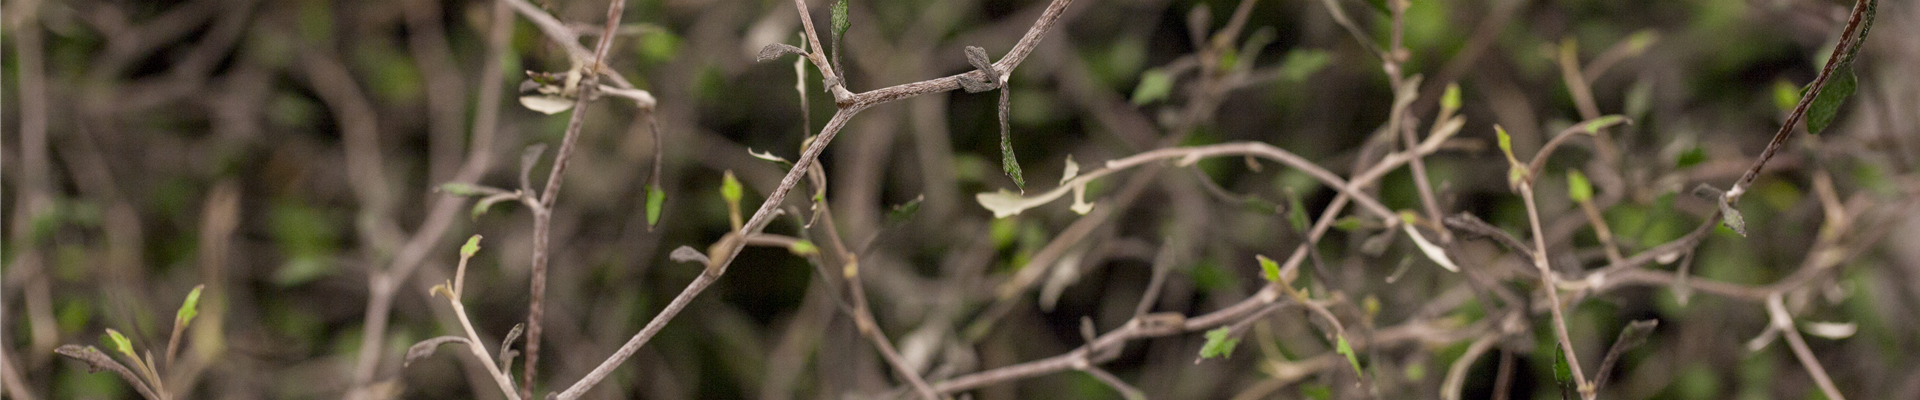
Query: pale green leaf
1578, 188
1155, 84
189, 308
1219, 343
655, 198
1269, 268
120, 343
1345, 349
472, 246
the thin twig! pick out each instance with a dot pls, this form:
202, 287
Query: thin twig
543, 215
1548, 284
384, 285
1783, 321
1848, 38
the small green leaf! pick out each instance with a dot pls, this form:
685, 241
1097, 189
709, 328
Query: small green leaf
1296, 213
1219, 344
1785, 96
189, 308
730, 188
1561, 373
655, 198
1155, 84
1827, 103
1450, 100
1008, 162
1349, 223
1269, 269
1732, 218
1301, 64
119, 343
472, 246
1577, 186
459, 189
901, 213
1341, 346
803, 248
1506, 142
1593, 126
840, 22
1690, 157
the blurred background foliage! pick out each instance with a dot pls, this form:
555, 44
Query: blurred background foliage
124, 119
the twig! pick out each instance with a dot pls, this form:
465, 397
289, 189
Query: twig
543, 215
1548, 284
1783, 321
724, 252
384, 285
1848, 39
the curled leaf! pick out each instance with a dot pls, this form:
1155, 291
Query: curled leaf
1004, 203
1432, 251
688, 254
120, 343
546, 104
425, 348
777, 50
190, 308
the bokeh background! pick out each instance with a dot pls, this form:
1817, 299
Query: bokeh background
282, 152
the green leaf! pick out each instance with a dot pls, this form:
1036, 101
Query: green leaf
1506, 142
1345, 349
1008, 162
1785, 96
1732, 218
1561, 373
1450, 100
119, 343
1690, 157
472, 246
1301, 64
730, 188
655, 198
459, 189
1296, 212
840, 23
1827, 103
803, 248
189, 308
1219, 344
1593, 126
1155, 84
1270, 269
1577, 186
901, 213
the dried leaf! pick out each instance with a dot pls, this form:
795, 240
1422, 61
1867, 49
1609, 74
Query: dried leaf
1434, 252
688, 254
777, 50
546, 104
425, 348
